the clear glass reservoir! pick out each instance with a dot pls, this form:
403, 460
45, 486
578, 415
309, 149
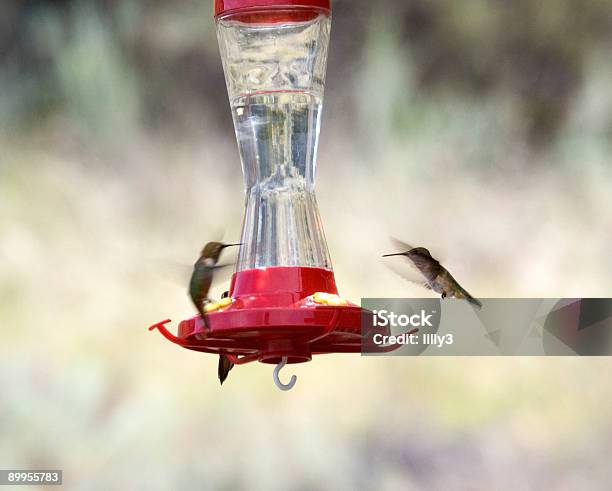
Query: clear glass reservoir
274, 65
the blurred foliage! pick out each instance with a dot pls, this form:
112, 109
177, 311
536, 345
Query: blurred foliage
108, 62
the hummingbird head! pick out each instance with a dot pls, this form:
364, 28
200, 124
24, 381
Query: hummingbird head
213, 250
420, 251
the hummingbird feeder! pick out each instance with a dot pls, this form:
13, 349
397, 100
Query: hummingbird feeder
283, 305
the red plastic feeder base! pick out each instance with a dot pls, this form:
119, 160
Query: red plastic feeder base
274, 315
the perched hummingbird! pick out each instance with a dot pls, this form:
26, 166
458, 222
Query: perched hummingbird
437, 278
201, 281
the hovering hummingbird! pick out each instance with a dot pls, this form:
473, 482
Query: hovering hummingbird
437, 278
201, 281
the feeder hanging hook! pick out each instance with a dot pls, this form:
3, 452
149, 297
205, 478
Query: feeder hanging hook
277, 381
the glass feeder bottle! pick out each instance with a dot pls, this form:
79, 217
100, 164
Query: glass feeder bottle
274, 62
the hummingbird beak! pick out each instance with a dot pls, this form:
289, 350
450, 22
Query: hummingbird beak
395, 254
231, 245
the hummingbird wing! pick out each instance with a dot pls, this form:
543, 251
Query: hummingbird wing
404, 267
175, 271
179, 273
403, 247
400, 246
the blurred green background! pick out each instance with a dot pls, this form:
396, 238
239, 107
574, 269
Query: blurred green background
479, 129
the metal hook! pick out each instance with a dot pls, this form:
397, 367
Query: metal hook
277, 381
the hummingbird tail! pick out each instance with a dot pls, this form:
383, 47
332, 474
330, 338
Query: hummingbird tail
225, 365
474, 301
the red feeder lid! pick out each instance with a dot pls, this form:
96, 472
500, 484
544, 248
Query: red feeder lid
227, 7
